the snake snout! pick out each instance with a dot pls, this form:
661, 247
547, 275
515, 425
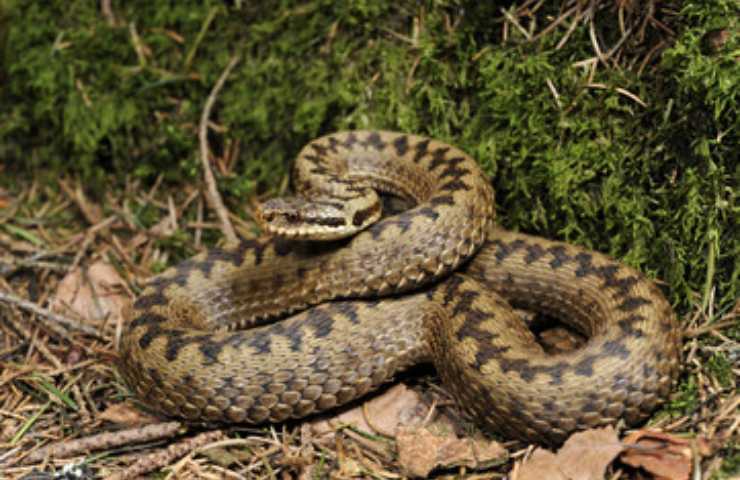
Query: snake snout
321, 218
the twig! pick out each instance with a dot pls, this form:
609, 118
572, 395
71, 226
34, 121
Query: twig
107, 10
555, 23
90, 236
410, 75
616, 46
554, 92
516, 23
213, 197
138, 46
661, 44
32, 339
11, 299
104, 441
630, 95
199, 38
34, 262
199, 219
164, 457
592, 36
77, 195
695, 332
571, 29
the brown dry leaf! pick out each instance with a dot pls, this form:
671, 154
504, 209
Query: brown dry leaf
8, 428
584, 456
399, 412
350, 468
382, 414
420, 450
542, 464
665, 456
93, 295
126, 414
5, 198
558, 340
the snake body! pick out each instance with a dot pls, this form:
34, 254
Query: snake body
199, 345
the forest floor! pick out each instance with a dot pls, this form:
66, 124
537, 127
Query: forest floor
70, 267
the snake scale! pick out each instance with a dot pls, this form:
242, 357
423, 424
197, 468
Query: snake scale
202, 343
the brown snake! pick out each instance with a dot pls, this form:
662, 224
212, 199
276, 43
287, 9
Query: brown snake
182, 355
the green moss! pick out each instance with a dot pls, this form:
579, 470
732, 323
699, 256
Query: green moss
178, 244
144, 216
719, 366
731, 463
158, 267
685, 399
655, 185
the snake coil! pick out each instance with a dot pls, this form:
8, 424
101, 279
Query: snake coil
202, 345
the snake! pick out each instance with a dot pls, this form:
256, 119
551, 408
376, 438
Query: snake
336, 298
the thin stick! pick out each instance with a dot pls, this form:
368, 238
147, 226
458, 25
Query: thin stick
11, 299
592, 35
107, 10
516, 23
554, 92
555, 23
32, 339
104, 441
631, 96
213, 197
571, 29
162, 458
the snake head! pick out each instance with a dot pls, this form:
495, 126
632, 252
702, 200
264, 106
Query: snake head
317, 219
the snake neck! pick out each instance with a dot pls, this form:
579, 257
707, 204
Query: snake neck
272, 276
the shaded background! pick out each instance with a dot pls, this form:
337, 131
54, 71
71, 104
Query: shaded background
634, 153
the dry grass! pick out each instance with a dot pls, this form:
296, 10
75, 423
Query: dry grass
62, 403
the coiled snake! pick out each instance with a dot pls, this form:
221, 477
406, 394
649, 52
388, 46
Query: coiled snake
185, 353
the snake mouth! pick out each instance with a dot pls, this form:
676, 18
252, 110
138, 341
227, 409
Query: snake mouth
322, 219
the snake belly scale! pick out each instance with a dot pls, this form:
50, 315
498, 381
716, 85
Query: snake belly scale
202, 344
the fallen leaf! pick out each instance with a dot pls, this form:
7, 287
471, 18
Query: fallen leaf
421, 450
5, 198
126, 414
349, 468
665, 456
8, 428
559, 340
382, 414
584, 456
93, 295
400, 412
540, 465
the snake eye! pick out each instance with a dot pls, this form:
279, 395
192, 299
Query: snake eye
268, 217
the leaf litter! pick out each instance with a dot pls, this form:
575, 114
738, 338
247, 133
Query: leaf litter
584, 456
667, 457
68, 375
